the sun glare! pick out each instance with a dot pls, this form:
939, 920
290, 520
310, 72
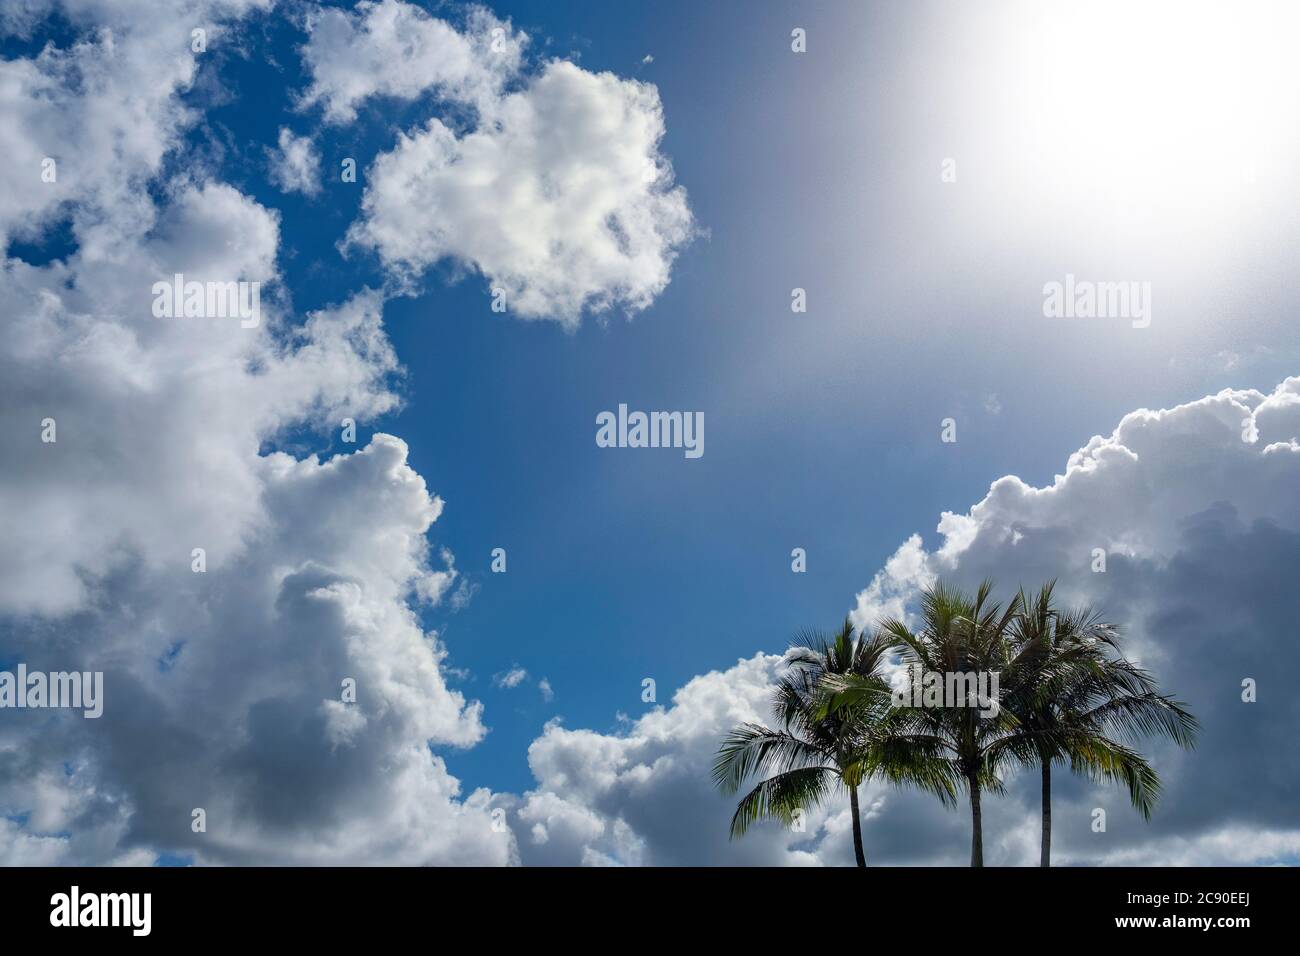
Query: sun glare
1168, 111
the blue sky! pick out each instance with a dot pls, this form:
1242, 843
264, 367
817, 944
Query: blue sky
820, 171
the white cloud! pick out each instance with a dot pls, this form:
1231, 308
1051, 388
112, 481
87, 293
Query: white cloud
310, 566
1197, 525
1232, 845
223, 689
557, 192
904, 573
560, 197
104, 108
191, 398
391, 48
294, 165
644, 797
1133, 491
511, 678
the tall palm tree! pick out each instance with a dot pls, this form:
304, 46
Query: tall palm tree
799, 764
1075, 693
957, 634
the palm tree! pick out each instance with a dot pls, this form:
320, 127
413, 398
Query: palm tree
958, 634
1075, 693
814, 749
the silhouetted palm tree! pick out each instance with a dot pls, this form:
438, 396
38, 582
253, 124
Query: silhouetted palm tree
815, 748
960, 634
1074, 693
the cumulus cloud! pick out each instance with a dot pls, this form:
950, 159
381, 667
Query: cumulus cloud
294, 164
563, 201
223, 690
229, 670
396, 49
104, 108
556, 191
1196, 509
228, 674
906, 572
644, 796
173, 409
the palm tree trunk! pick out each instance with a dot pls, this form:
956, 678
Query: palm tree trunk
977, 824
857, 827
1046, 856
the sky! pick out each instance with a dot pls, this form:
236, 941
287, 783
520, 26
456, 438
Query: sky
646, 185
